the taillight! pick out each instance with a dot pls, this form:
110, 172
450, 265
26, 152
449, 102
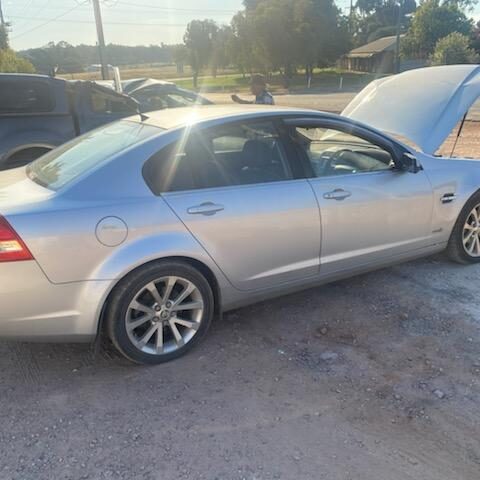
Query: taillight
12, 248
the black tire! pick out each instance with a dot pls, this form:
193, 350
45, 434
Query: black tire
455, 249
126, 291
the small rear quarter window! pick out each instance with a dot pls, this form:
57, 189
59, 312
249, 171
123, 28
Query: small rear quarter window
25, 96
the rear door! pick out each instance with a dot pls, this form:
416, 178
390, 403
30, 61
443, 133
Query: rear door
371, 211
233, 188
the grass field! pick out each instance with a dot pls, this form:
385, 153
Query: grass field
230, 81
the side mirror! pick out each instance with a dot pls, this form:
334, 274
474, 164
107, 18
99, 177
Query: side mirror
409, 163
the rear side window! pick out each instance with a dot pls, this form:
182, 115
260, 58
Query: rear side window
66, 163
243, 153
32, 96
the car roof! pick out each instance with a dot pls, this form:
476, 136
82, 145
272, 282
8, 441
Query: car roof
181, 117
24, 75
134, 84
30, 76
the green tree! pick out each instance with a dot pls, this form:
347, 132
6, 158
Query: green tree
378, 18
281, 35
433, 21
251, 4
241, 47
368, 6
220, 57
199, 39
462, 4
453, 49
274, 40
10, 62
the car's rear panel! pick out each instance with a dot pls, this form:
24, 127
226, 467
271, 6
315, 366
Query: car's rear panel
33, 308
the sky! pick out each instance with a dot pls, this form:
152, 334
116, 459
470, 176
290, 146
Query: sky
34, 23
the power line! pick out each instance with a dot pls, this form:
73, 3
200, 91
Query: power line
26, 7
143, 24
150, 7
47, 21
82, 3
174, 9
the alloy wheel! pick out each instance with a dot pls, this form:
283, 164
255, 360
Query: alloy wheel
471, 233
164, 315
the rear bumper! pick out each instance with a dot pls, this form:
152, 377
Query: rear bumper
34, 309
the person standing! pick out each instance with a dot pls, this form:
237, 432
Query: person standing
258, 87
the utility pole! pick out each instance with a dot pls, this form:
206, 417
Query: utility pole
2, 18
350, 18
397, 42
101, 38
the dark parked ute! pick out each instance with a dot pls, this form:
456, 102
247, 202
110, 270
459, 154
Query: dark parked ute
38, 113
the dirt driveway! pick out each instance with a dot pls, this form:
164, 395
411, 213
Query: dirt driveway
372, 378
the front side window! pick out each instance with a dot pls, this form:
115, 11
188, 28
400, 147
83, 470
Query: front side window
155, 98
178, 100
66, 163
25, 97
104, 101
333, 152
231, 154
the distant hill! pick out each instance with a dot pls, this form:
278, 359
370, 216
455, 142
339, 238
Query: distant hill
73, 59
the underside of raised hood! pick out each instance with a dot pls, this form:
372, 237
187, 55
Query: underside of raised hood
421, 105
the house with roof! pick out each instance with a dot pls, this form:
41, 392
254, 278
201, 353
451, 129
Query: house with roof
375, 57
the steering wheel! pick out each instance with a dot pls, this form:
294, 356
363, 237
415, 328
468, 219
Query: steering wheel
337, 157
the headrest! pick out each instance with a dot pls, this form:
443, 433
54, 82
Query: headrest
257, 154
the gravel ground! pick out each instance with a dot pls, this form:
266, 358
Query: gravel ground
372, 378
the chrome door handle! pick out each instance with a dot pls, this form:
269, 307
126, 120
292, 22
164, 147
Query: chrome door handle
207, 208
337, 194
449, 198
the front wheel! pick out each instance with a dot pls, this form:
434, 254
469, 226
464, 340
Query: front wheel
464, 244
159, 312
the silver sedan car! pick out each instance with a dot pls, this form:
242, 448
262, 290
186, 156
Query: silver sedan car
145, 230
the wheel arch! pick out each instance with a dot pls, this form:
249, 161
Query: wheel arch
204, 269
28, 146
23, 148
461, 207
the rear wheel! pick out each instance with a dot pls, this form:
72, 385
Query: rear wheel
464, 243
159, 312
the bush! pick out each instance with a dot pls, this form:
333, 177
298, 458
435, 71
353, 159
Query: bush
11, 63
452, 49
433, 21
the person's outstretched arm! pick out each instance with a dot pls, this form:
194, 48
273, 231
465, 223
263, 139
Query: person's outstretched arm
237, 99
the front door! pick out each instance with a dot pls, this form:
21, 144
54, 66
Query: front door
370, 210
232, 186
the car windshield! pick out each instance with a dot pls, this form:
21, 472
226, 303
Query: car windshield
62, 165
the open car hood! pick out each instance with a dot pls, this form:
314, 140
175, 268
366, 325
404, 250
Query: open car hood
422, 105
